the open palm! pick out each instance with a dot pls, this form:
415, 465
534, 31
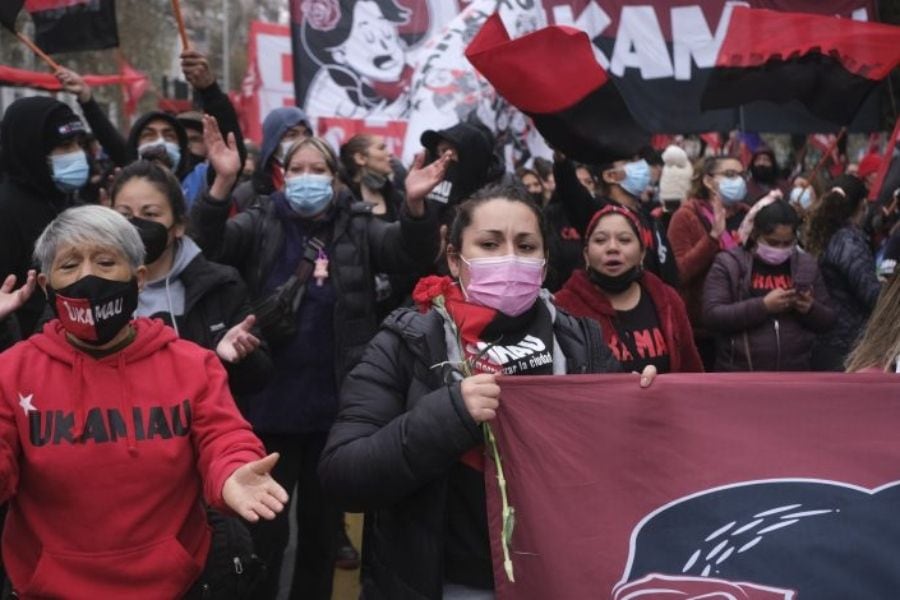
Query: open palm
10, 300
252, 493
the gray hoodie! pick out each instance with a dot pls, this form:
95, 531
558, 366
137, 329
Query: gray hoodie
166, 295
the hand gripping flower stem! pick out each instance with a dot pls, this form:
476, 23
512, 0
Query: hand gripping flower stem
430, 291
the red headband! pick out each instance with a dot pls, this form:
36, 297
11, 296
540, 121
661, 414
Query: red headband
644, 235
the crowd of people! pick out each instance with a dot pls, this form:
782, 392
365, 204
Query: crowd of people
202, 329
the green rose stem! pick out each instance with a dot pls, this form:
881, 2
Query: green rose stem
509, 513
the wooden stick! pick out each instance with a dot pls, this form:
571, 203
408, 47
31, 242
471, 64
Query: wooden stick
179, 20
43, 55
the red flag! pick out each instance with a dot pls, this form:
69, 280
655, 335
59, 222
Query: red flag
134, 85
46, 81
756, 485
886, 160
73, 25
827, 63
552, 76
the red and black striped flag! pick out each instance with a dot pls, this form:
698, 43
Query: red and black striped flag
552, 76
829, 64
73, 25
9, 11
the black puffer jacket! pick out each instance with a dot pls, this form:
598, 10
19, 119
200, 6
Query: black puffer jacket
215, 300
399, 430
848, 268
361, 246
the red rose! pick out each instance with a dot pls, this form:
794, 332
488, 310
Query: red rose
429, 288
667, 587
322, 15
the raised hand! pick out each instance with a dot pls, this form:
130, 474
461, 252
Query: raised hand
238, 342
252, 493
422, 178
11, 301
196, 69
73, 83
222, 156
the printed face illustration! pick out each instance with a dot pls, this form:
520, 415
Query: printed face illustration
373, 49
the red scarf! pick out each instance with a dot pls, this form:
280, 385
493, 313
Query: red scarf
470, 321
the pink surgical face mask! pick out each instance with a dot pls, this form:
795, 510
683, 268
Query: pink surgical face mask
509, 284
771, 255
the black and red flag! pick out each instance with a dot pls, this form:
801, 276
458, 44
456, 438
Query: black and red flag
752, 486
73, 25
829, 64
9, 11
553, 77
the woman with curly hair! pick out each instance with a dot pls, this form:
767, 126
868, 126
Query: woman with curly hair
834, 236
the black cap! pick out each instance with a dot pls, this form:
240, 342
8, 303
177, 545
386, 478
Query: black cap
61, 126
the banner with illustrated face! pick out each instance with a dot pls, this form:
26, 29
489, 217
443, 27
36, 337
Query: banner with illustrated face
400, 63
742, 486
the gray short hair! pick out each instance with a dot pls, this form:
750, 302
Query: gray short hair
90, 224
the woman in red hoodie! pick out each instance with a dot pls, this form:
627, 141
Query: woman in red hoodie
114, 433
644, 321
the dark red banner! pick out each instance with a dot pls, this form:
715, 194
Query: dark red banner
718, 486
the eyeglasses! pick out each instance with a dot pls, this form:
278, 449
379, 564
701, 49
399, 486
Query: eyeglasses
731, 173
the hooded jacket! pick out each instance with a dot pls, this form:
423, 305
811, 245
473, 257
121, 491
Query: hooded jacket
748, 337
477, 165
184, 165
582, 299
213, 299
275, 126
212, 101
756, 189
107, 465
29, 200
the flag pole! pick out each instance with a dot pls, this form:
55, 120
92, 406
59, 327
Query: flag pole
34, 48
885, 162
179, 20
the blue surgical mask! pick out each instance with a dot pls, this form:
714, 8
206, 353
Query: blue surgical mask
801, 195
70, 171
732, 189
308, 194
173, 151
637, 177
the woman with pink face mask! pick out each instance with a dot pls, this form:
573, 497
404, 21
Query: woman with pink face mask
407, 443
766, 300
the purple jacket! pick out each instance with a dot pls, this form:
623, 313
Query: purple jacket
748, 338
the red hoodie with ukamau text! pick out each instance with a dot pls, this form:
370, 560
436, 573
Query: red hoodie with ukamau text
106, 463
